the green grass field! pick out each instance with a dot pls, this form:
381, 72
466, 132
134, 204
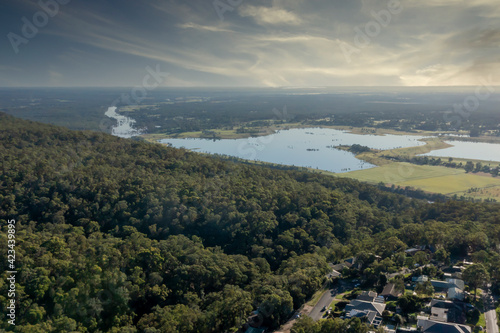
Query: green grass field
434, 179
453, 184
395, 173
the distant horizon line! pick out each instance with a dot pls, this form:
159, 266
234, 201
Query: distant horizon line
234, 87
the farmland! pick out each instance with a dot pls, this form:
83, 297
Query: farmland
435, 179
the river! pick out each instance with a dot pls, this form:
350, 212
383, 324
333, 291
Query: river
125, 125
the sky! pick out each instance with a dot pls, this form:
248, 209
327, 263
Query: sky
249, 43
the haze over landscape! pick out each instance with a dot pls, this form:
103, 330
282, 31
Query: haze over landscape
254, 43
237, 166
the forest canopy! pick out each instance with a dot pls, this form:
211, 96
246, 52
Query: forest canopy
117, 235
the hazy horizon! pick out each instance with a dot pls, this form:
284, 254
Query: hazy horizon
431, 43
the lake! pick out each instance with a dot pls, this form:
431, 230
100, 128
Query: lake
469, 150
303, 147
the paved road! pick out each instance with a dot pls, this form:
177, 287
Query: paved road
491, 315
328, 297
325, 300
491, 321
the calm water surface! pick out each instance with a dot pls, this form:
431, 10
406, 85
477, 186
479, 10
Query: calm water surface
469, 150
308, 147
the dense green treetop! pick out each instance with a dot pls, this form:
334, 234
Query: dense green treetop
117, 235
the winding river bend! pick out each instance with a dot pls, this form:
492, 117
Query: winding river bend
125, 125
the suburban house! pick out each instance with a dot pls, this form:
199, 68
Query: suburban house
419, 248
420, 279
367, 305
432, 326
456, 293
414, 250
347, 263
456, 283
454, 272
334, 273
390, 292
352, 263
448, 311
453, 287
446, 316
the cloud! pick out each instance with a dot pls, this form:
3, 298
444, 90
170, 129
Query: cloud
261, 43
475, 39
269, 15
195, 26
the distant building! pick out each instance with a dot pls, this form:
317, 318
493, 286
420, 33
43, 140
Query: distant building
421, 278
413, 250
351, 262
419, 248
334, 274
347, 263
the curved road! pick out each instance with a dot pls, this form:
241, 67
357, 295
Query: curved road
328, 297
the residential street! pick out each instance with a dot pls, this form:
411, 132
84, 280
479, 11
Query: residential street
325, 301
491, 315
328, 297
491, 322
